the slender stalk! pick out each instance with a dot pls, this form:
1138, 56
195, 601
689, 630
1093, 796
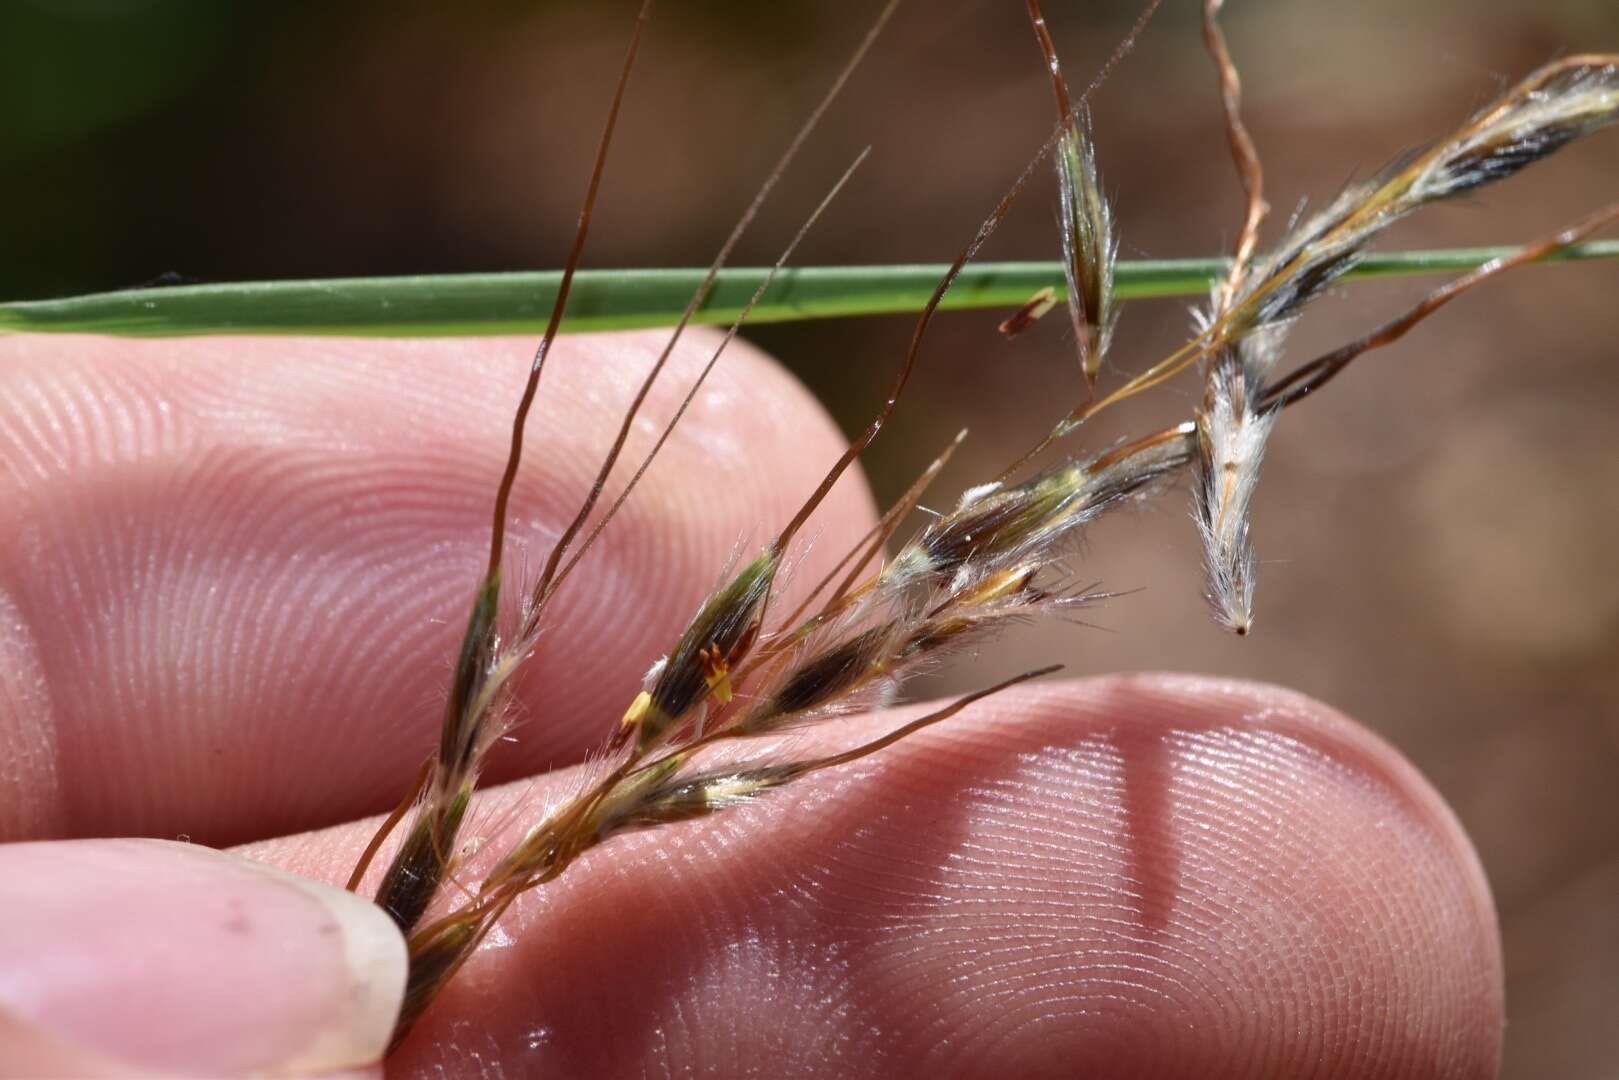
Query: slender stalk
1243, 153
484, 304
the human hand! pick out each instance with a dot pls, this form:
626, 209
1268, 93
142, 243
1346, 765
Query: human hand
234, 575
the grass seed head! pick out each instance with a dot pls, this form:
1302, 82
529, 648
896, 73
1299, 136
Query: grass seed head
995, 559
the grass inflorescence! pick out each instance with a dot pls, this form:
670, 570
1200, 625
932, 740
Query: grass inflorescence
743, 670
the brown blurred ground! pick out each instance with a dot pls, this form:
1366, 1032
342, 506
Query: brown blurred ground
1439, 529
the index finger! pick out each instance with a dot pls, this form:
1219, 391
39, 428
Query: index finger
1132, 876
236, 569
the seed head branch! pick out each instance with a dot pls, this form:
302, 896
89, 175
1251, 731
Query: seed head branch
514, 458
543, 585
1545, 112
1317, 373
702, 377
1243, 152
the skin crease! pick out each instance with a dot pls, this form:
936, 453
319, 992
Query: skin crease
1144, 875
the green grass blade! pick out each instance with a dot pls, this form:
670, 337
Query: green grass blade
622, 299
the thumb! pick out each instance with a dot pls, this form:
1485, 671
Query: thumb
139, 957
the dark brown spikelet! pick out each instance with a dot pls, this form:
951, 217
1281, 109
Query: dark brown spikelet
418, 867
458, 740
1308, 378
998, 522
717, 639
422, 862
997, 527
826, 676
1562, 102
473, 710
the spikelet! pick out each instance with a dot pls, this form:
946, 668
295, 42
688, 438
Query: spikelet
680, 798
829, 678
1561, 102
997, 526
695, 796
858, 668
1090, 247
717, 640
1231, 435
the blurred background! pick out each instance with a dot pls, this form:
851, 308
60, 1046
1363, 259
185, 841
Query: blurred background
1438, 530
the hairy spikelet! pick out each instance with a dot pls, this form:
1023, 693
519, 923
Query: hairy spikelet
1231, 436
828, 678
717, 640
1545, 112
1090, 246
996, 527
1558, 104
697, 796
474, 718
1231, 431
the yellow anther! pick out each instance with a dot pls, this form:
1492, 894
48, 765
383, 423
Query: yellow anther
636, 712
717, 674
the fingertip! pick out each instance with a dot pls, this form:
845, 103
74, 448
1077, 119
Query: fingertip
1138, 876
1282, 886
1141, 875
247, 559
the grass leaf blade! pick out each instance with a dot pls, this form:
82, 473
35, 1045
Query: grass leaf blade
518, 303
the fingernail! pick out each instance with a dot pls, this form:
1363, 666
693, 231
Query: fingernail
183, 960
